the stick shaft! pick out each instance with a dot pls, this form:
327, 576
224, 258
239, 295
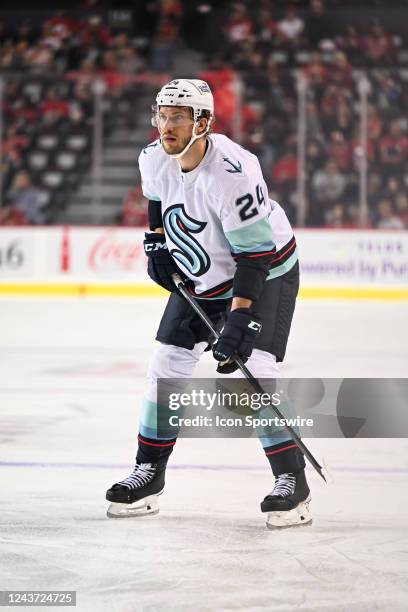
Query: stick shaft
254, 382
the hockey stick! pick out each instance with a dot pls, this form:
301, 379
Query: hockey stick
254, 382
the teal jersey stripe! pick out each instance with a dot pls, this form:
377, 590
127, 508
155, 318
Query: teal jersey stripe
148, 417
148, 432
221, 296
254, 237
154, 422
284, 267
259, 248
274, 273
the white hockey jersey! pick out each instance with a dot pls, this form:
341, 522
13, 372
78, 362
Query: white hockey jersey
218, 211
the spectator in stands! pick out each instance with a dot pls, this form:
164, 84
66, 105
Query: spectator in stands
290, 29
316, 75
374, 123
25, 198
11, 216
335, 110
109, 71
374, 190
393, 150
13, 145
220, 77
82, 93
285, 169
315, 156
53, 103
22, 112
39, 57
129, 61
387, 91
341, 72
378, 46
253, 132
239, 27
387, 219
84, 78
53, 36
134, 209
171, 12
339, 150
10, 59
328, 184
276, 131
274, 88
352, 43
167, 35
254, 77
224, 99
61, 24
313, 125
26, 32
392, 187
94, 34
356, 149
337, 218
266, 31
401, 207
285, 172
318, 25
359, 218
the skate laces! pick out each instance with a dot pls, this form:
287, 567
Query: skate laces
285, 484
141, 475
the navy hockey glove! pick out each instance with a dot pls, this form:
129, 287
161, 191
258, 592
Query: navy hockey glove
160, 264
237, 338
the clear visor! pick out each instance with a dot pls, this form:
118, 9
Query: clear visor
174, 118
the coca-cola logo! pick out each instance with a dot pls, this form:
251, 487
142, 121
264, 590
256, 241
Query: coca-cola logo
112, 250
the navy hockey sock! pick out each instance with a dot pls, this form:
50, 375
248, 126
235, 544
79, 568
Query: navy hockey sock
154, 451
285, 458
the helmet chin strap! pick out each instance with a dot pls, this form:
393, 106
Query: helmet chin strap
193, 138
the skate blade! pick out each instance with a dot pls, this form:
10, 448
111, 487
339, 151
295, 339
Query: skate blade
298, 517
143, 507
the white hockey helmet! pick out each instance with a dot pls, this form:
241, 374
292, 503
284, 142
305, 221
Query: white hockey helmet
193, 93
187, 92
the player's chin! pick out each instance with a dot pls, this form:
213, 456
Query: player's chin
172, 146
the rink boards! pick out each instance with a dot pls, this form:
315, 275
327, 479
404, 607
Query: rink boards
109, 261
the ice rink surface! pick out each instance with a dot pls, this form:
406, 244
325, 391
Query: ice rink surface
72, 375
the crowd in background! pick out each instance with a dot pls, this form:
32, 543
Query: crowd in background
49, 73
268, 45
269, 50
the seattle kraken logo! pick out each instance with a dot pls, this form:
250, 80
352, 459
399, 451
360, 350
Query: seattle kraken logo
179, 227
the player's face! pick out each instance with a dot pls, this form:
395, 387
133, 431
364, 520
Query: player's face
175, 126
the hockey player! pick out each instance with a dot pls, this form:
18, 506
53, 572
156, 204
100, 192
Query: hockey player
212, 222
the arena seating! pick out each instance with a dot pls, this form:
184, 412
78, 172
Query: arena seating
48, 71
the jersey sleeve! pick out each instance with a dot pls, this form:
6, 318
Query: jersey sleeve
246, 226
148, 172
245, 219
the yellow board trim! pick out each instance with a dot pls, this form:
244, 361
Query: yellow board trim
80, 289
353, 293
140, 290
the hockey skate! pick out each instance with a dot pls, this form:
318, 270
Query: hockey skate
138, 494
288, 504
